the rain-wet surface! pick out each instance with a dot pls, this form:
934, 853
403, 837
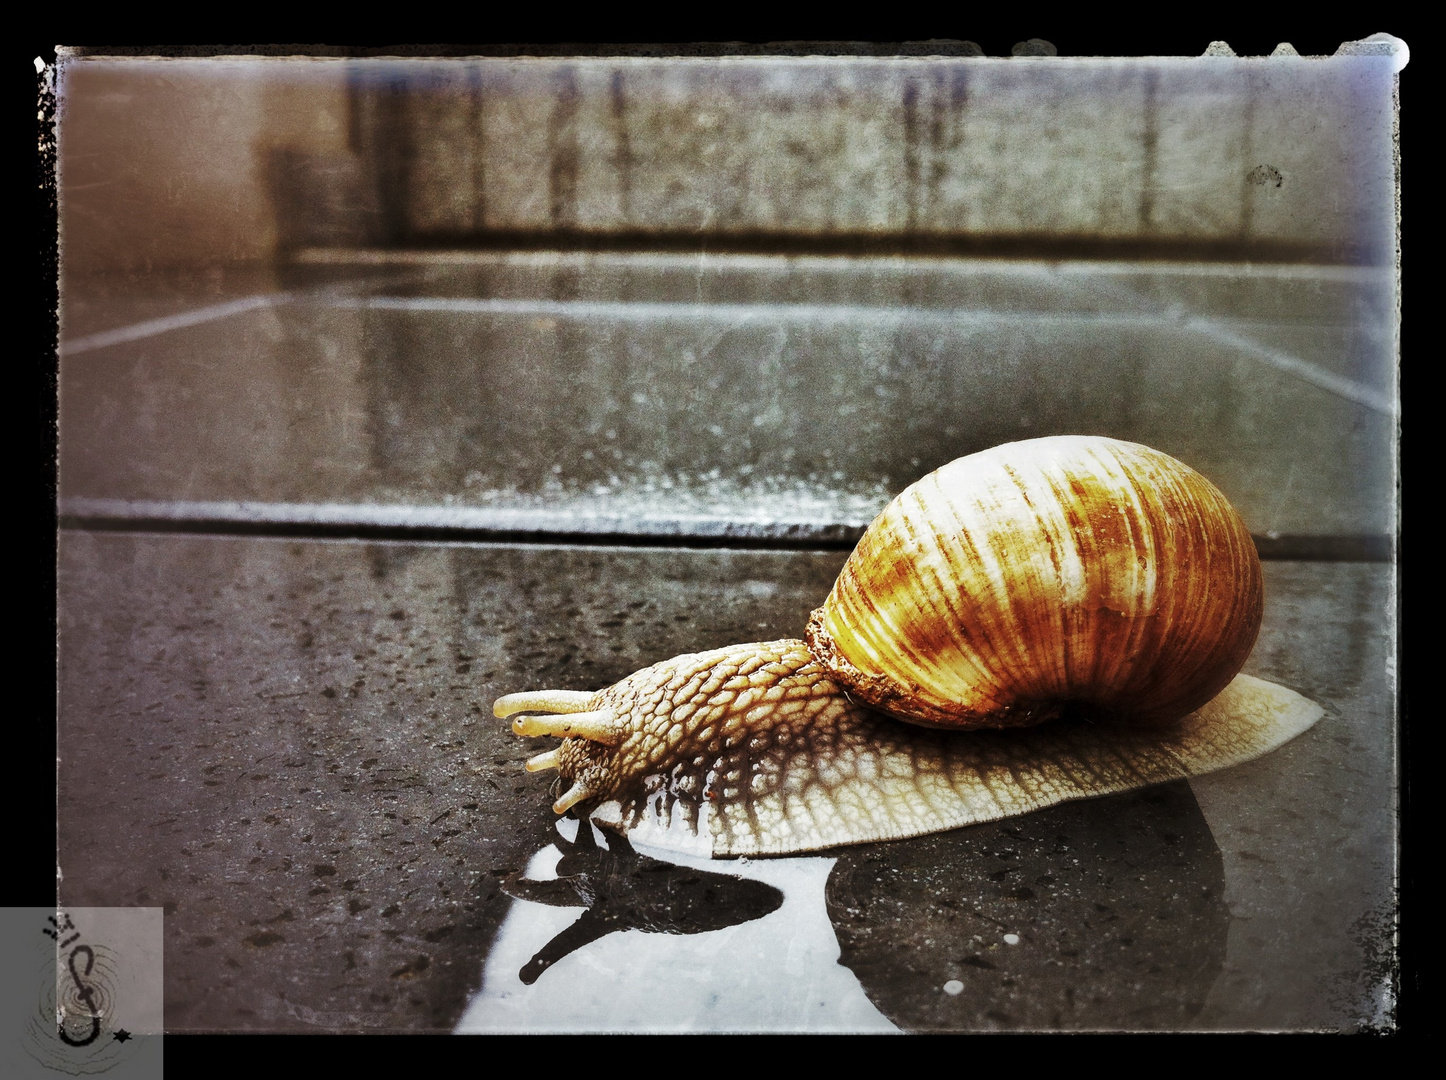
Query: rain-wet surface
705, 391
1100, 915
1106, 914
621, 890
288, 745
287, 742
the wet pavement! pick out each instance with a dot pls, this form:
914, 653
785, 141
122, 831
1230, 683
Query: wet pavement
287, 744
757, 397
286, 740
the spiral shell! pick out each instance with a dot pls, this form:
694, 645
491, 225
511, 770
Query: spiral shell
1013, 582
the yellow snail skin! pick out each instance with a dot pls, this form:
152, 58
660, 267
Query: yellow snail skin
1046, 620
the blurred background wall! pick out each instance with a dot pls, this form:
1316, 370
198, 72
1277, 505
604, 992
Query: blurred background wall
187, 162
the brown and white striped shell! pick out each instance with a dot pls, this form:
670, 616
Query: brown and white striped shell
1042, 573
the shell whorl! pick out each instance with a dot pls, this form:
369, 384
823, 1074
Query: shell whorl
1036, 574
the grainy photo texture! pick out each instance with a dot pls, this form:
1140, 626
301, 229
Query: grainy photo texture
407, 402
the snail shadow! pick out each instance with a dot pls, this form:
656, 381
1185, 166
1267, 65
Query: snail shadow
1105, 914
624, 890
674, 944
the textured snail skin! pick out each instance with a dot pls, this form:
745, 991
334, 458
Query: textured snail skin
1099, 585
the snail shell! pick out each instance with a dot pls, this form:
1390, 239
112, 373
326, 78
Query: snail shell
1064, 570
1097, 584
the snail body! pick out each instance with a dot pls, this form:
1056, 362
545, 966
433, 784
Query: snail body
1052, 619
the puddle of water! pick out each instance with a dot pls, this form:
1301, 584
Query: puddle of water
776, 973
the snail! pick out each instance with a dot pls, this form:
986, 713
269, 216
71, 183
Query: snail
1051, 619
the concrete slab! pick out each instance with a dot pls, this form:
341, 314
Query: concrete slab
287, 745
740, 389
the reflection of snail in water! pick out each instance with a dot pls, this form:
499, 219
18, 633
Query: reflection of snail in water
1097, 584
622, 890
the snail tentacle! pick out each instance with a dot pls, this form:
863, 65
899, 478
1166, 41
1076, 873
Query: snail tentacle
599, 725
544, 701
574, 795
549, 760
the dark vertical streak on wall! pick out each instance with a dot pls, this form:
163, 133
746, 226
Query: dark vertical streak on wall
623, 155
939, 121
361, 134
378, 364
1150, 139
563, 151
477, 99
1247, 148
358, 115
958, 88
958, 109
381, 134
911, 153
